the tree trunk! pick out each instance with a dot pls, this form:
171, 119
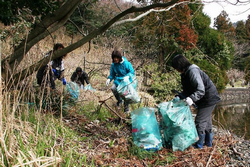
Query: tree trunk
53, 22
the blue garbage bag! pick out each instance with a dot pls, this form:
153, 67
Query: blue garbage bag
72, 89
127, 90
89, 87
178, 125
145, 129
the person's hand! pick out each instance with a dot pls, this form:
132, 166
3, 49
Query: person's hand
189, 101
108, 82
82, 87
176, 99
64, 81
54, 71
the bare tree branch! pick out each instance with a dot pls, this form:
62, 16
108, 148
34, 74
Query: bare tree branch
151, 10
52, 23
49, 24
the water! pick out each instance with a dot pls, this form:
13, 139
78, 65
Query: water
233, 117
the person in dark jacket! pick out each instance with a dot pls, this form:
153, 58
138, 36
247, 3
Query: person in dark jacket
79, 76
47, 74
120, 69
199, 89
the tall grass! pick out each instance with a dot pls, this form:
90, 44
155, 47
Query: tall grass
32, 127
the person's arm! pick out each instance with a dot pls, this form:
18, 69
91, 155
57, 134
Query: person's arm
85, 77
62, 70
130, 69
73, 77
197, 82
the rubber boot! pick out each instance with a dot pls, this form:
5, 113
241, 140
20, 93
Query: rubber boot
117, 96
126, 108
209, 139
200, 142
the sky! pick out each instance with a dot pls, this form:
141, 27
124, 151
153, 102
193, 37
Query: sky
235, 12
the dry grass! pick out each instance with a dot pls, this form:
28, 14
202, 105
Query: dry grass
20, 133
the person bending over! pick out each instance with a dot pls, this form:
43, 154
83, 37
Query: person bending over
80, 77
48, 73
199, 89
119, 69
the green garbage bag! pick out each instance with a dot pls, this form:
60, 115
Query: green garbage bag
179, 129
145, 129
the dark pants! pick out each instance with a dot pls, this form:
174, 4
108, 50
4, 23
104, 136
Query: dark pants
203, 122
45, 77
118, 97
203, 119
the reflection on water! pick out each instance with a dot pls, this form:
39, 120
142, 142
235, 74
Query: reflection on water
233, 117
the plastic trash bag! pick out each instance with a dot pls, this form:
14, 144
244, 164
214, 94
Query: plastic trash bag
127, 90
72, 89
133, 80
178, 125
145, 129
89, 87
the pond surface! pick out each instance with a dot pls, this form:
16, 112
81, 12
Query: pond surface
233, 117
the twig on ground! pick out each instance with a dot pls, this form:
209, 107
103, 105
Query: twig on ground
211, 155
236, 152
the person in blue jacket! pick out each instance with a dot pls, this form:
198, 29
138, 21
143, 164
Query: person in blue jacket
120, 69
199, 89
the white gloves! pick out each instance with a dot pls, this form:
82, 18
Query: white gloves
82, 87
189, 101
108, 82
126, 78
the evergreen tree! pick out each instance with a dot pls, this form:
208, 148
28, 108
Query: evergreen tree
224, 25
241, 32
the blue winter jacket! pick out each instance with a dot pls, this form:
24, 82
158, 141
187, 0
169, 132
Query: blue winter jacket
119, 70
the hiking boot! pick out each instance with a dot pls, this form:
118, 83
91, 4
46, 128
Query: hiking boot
119, 103
126, 109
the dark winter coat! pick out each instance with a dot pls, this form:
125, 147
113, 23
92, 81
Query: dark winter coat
199, 87
45, 75
80, 78
49, 76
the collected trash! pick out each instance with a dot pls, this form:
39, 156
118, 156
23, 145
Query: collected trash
89, 87
145, 129
177, 125
127, 90
72, 89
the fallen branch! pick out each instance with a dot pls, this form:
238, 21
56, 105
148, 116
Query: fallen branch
211, 155
236, 152
103, 102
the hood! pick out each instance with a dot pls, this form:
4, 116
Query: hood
191, 67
